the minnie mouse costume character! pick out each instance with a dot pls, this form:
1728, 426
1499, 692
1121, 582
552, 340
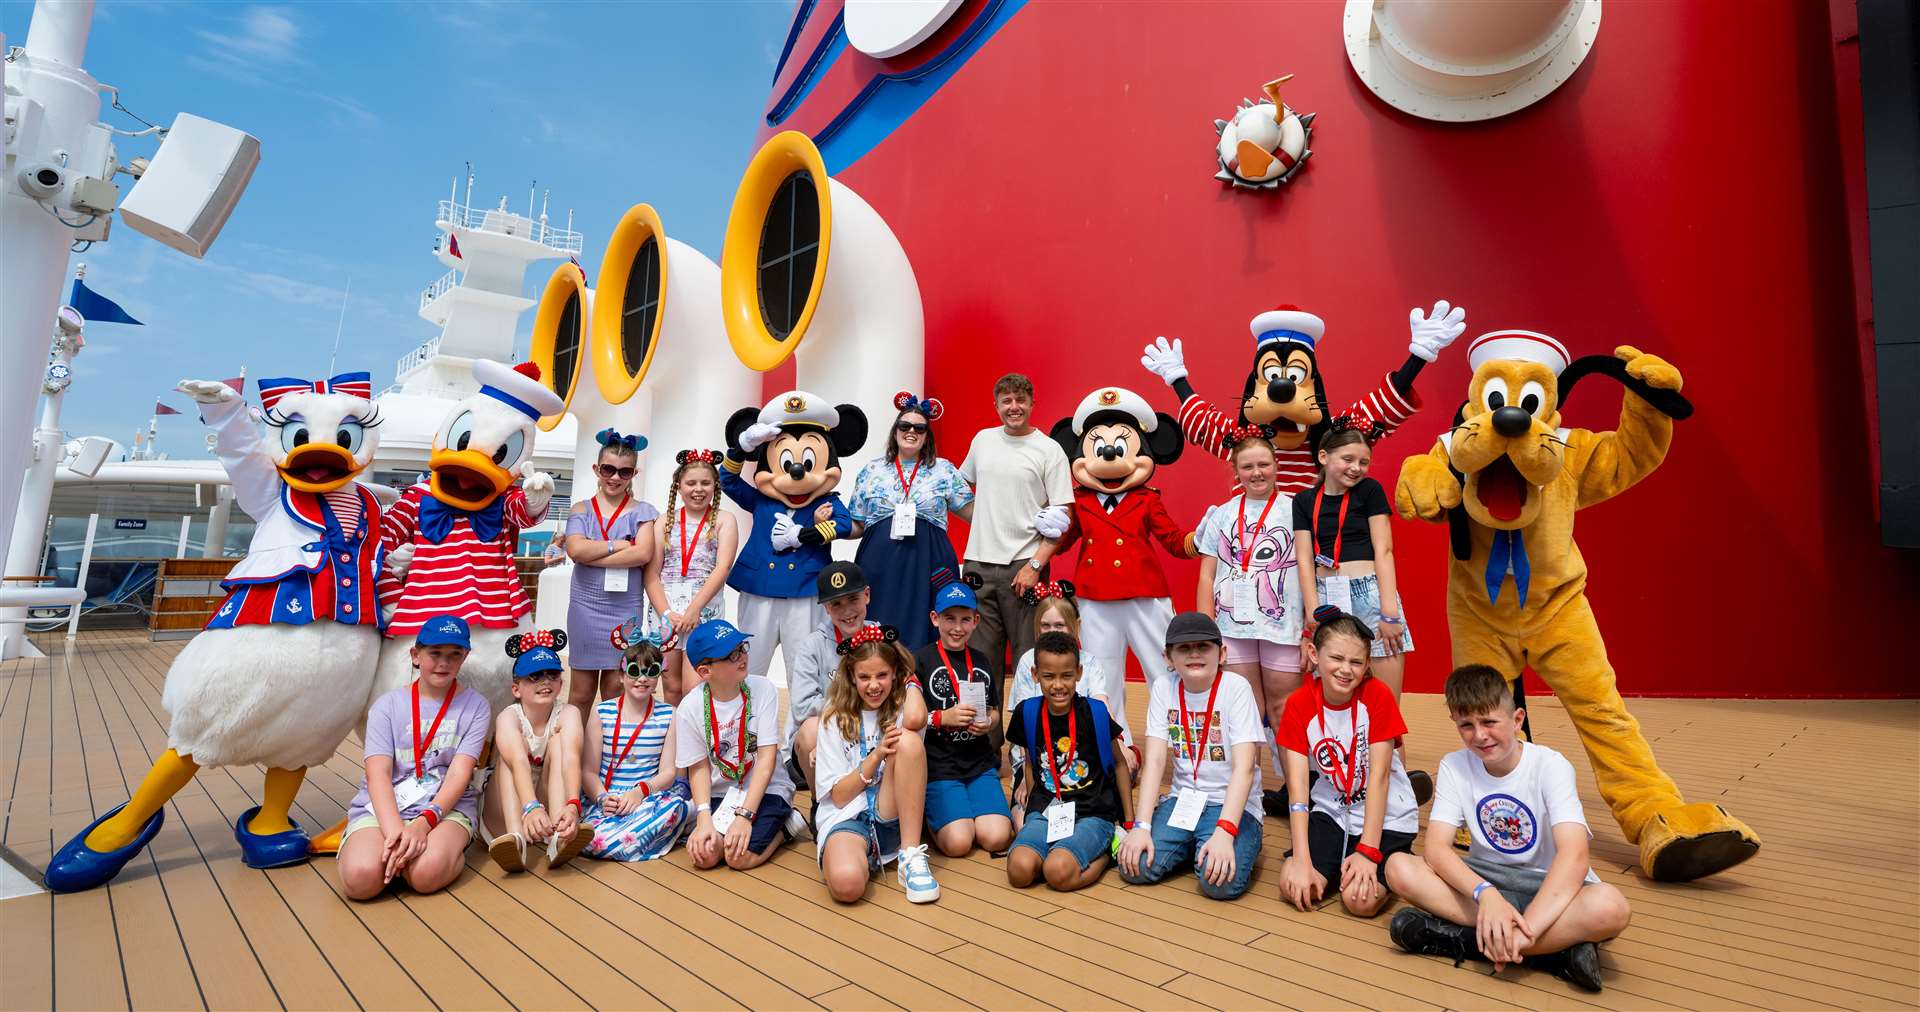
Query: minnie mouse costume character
1286, 392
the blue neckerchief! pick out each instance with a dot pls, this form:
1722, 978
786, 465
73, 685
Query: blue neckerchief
436, 519
1508, 546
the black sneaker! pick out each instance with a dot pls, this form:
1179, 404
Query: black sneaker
1424, 934
1422, 787
1578, 964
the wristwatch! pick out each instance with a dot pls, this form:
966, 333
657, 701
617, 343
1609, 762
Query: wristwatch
744, 812
1036, 564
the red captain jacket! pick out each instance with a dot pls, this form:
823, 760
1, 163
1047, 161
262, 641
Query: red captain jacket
1117, 561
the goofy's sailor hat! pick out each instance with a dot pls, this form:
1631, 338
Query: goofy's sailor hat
1517, 345
518, 387
1286, 323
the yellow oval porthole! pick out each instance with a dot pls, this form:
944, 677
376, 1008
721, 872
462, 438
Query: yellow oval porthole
774, 261
627, 323
559, 333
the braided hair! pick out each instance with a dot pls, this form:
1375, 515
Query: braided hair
688, 460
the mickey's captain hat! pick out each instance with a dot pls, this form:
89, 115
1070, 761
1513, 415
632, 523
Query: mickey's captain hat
798, 407
1287, 323
1517, 345
518, 387
1115, 399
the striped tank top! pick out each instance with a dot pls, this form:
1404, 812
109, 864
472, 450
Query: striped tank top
644, 761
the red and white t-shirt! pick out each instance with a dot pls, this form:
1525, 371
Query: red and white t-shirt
462, 575
1336, 740
1295, 469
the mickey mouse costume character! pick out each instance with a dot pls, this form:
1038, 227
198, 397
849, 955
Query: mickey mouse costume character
1114, 442
281, 672
796, 442
1286, 391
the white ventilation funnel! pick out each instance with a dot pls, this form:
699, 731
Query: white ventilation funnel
1466, 60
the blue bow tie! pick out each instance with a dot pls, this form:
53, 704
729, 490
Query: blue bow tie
1508, 547
436, 519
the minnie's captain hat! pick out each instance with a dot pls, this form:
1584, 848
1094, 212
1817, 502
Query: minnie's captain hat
1287, 323
1517, 345
518, 387
798, 407
1115, 399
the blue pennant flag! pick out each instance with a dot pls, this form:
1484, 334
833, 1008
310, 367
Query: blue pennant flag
97, 308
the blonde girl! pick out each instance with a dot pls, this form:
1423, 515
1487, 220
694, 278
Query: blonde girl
694, 546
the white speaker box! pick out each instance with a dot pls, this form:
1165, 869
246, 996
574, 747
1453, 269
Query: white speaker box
192, 185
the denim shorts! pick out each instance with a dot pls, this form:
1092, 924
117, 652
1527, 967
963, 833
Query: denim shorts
1091, 838
1366, 608
883, 833
953, 800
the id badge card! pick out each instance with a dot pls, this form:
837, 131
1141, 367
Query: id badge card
723, 818
904, 519
1337, 591
412, 791
1187, 808
1059, 821
615, 580
1243, 597
974, 694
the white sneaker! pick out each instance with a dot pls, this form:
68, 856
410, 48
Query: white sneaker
796, 826
916, 877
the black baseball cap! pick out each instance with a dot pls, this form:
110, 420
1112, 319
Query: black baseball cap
1192, 627
839, 579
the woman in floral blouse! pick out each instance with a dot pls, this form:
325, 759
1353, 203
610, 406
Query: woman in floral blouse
903, 548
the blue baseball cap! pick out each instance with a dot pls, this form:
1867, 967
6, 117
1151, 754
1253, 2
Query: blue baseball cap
713, 639
444, 631
954, 594
535, 661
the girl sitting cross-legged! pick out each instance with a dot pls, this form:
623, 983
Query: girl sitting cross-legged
642, 806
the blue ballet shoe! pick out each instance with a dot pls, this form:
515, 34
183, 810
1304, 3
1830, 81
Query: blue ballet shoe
271, 850
77, 867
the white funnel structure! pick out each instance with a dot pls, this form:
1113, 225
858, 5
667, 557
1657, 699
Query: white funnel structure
1465, 60
812, 271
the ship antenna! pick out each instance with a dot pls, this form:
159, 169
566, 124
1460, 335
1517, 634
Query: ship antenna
339, 327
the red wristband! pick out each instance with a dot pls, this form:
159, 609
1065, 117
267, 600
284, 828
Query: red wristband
936, 717
644, 790
1369, 852
575, 802
432, 819
1232, 828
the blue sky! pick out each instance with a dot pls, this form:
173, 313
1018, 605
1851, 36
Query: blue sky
366, 113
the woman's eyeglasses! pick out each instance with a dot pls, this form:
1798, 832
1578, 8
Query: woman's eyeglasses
914, 427
636, 671
609, 471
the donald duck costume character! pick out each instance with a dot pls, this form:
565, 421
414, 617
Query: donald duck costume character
281, 672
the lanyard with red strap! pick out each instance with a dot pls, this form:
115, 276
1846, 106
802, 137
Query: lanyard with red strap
906, 483
1342, 782
420, 744
685, 559
1246, 536
1339, 527
957, 676
620, 757
1197, 752
1073, 744
606, 523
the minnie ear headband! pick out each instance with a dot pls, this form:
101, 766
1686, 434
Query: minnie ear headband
868, 634
1328, 612
1237, 434
1039, 592
609, 437
552, 639
930, 406
685, 457
1370, 429
629, 633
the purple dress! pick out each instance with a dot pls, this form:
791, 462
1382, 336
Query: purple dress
592, 610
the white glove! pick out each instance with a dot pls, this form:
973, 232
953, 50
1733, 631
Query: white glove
400, 560
786, 533
538, 485
757, 435
206, 391
1434, 331
1167, 361
1051, 522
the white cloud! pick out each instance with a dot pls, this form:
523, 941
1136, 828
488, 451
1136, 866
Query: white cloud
266, 35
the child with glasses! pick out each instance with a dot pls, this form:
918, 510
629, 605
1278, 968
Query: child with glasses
610, 538
536, 742
727, 745
642, 806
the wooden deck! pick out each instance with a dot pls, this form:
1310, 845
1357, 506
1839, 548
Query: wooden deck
1827, 915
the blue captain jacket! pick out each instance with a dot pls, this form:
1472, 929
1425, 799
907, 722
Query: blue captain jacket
765, 572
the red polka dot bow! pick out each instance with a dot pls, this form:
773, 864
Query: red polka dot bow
1370, 428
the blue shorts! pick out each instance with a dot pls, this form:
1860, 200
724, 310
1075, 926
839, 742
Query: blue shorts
881, 833
1091, 838
769, 822
1366, 608
953, 800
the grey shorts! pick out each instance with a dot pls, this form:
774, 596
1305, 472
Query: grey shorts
1517, 885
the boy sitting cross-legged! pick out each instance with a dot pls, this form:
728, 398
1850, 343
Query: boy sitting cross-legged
1524, 890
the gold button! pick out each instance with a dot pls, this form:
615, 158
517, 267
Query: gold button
1119, 541
789, 565
1116, 563
769, 565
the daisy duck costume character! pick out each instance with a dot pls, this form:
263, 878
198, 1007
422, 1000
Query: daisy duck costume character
795, 442
282, 671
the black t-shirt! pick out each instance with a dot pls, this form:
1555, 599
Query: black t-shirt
1356, 540
1088, 784
957, 753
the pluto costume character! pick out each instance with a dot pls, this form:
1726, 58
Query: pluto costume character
281, 672
796, 442
1512, 480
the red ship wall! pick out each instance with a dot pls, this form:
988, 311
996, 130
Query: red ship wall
1682, 193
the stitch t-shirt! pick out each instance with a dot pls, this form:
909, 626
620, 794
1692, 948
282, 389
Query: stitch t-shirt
1275, 612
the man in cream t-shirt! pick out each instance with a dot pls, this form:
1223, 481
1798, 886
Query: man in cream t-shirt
1019, 475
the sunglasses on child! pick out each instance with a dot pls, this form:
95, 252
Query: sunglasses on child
610, 471
542, 676
918, 427
634, 670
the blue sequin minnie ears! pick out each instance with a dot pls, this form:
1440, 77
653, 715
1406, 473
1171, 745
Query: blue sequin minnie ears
930, 406
633, 631
609, 437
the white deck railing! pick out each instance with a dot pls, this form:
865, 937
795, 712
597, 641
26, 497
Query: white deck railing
441, 287
505, 222
412, 359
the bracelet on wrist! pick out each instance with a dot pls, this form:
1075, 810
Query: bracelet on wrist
1482, 887
1369, 852
602, 799
575, 802
1389, 620
432, 817
936, 717
1230, 828
644, 790
527, 809
1299, 806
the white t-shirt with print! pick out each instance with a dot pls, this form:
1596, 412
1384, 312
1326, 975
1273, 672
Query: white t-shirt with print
1274, 615
1510, 818
1014, 477
692, 745
1235, 720
1338, 741
834, 757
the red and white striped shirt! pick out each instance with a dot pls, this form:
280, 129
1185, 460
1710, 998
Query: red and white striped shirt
1296, 469
461, 575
